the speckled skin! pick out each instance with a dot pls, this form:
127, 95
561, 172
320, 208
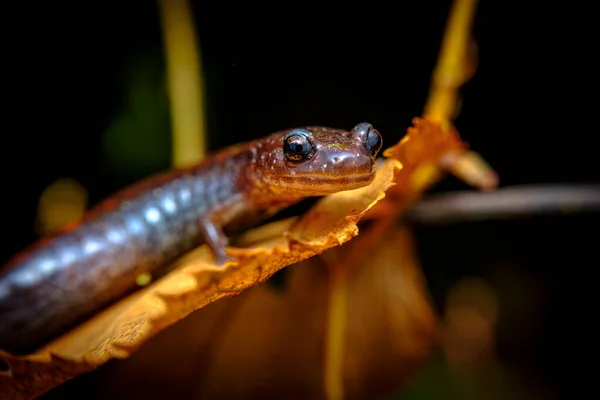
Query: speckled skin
62, 280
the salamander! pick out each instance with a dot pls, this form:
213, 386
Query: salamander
67, 277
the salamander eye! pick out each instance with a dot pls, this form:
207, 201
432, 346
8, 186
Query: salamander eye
370, 137
373, 141
297, 145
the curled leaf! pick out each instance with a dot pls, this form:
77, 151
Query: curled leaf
269, 342
193, 282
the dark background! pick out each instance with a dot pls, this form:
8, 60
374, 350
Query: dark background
75, 71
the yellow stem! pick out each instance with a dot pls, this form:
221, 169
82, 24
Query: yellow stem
184, 81
454, 63
335, 332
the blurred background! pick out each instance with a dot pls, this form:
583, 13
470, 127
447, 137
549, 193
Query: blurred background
87, 101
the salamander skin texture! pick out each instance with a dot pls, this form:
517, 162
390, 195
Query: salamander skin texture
64, 279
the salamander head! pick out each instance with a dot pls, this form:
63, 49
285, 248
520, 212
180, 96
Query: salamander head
316, 161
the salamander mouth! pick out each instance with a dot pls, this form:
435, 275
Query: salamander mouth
330, 177
325, 183
349, 180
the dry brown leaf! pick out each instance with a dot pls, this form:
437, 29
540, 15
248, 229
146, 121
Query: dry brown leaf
195, 282
269, 342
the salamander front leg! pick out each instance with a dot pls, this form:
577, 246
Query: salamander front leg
216, 240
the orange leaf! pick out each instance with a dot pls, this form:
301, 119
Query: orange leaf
193, 283
269, 342
390, 322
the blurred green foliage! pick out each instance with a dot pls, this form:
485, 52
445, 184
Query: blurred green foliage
137, 142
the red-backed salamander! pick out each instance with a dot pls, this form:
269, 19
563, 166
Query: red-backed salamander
62, 280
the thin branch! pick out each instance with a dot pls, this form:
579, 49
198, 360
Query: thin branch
508, 202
